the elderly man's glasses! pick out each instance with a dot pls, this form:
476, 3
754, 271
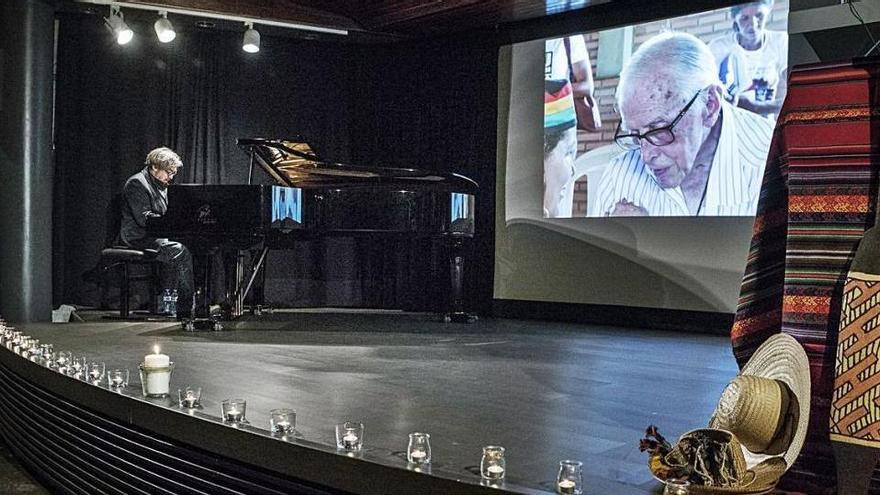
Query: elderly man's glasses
660, 136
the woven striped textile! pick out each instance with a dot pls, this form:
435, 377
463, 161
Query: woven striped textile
817, 199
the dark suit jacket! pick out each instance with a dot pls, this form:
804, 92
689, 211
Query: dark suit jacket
142, 197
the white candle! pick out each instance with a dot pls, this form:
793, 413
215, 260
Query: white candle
495, 471
350, 441
157, 382
566, 487
233, 415
156, 360
282, 426
418, 455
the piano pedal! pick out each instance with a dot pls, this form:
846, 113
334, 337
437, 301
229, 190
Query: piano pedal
202, 324
260, 310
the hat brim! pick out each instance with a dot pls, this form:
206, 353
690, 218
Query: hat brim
782, 358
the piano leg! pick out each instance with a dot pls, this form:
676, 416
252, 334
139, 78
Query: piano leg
456, 313
244, 281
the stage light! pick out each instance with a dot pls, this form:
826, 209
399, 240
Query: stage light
164, 29
251, 40
120, 29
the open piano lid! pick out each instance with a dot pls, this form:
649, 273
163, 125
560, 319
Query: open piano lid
294, 163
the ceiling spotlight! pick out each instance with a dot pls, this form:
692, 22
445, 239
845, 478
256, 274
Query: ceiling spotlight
164, 29
120, 29
251, 41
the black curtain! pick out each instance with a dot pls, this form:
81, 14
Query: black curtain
427, 105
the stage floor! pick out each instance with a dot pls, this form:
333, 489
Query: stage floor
544, 391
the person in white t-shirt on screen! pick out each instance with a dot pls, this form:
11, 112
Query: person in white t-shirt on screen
752, 60
572, 63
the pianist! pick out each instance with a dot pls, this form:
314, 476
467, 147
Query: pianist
144, 195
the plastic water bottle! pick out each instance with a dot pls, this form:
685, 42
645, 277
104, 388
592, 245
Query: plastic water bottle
173, 308
165, 308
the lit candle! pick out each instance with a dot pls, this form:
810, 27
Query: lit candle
157, 382
233, 415
117, 381
190, 399
350, 440
282, 426
566, 487
418, 455
495, 471
156, 360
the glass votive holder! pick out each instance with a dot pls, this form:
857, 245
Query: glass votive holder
350, 435
675, 486
33, 346
570, 480
282, 421
23, 343
13, 340
190, 397
233, 411
117, 378
95, 371
492, 465
155, 381
49, 361
419, 449
77, 367
62, 360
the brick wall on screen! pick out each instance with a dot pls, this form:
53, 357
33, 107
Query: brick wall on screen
706, 26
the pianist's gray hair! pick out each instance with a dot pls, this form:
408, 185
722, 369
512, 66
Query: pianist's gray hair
163, 159
669, 56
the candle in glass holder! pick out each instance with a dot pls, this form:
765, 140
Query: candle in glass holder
190, 397
419, 449
350, 435
493, 463
350, 440
233, 410
570, 479
282, 421
156, 374
95, 371
117, 378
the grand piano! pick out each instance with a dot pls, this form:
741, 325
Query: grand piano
312, 198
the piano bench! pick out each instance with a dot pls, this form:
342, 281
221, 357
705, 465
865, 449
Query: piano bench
124, 257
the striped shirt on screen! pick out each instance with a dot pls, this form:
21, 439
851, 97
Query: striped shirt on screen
734, 180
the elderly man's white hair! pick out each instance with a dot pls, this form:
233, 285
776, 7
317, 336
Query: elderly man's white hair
672, 57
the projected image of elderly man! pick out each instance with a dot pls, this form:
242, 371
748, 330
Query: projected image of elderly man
687, 151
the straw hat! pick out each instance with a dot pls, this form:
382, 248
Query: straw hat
768, 405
